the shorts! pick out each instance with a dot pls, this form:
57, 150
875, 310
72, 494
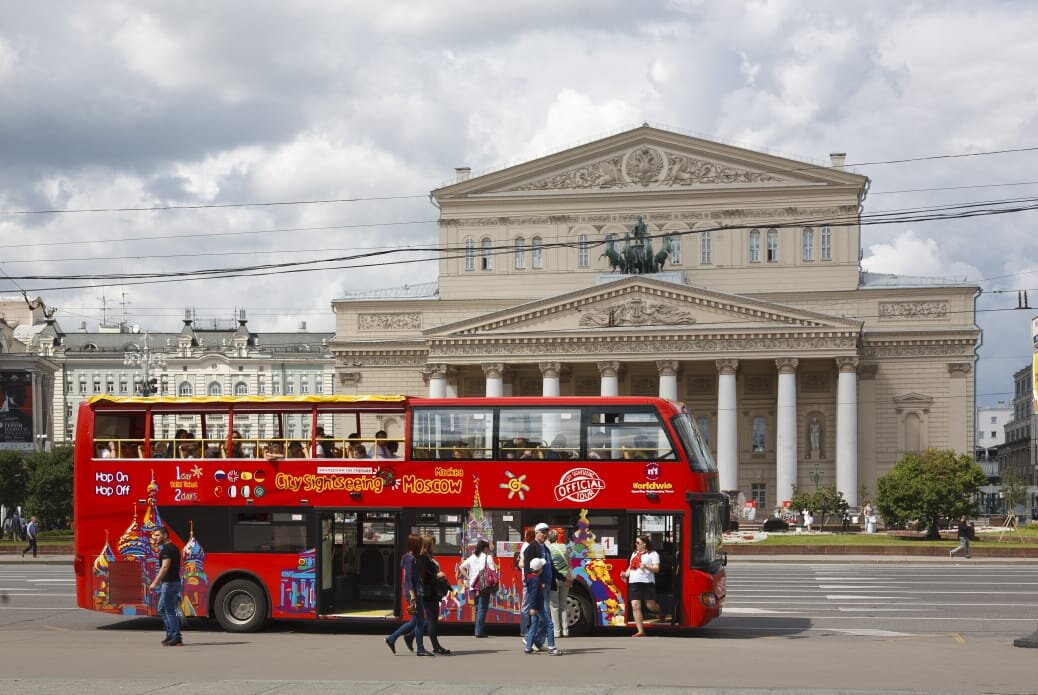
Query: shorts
641, 591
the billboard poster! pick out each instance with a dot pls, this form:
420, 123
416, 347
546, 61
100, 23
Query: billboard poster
16, 411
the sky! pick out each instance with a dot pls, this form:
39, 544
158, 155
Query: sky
113, 105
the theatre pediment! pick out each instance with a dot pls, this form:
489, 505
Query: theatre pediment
639, 303
646, 159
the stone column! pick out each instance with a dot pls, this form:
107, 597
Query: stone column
495, 378
847, 429
437, 374
867, 428
550, 378
727, 425
610, 372
959, 399
786, 430
668, 379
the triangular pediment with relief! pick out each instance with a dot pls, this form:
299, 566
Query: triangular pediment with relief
643, 304
646, 159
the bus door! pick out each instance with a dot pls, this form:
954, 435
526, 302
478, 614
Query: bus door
359, 563
665, 532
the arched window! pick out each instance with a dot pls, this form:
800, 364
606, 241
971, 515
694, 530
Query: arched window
520, 253
537, 253
470, 254
827, 244
214, 388
241, 389
583, 252
772, 246
486, 259
754, 246
706, 248
809, 244
185, 389
758, 435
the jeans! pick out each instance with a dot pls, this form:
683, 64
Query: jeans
964, 544
536, 632
549, 626
559, 618
482, 602
432, 620
169, 597
416, 625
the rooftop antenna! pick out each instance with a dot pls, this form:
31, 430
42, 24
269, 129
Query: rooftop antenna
104, 307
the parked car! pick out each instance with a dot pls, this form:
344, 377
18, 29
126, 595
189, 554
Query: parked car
774, 524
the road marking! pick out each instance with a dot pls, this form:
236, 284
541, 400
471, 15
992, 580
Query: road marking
28, 608
53, 581
872, 609
867, 632
850, 597
728, 610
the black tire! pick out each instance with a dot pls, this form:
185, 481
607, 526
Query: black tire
579, 612
241, 606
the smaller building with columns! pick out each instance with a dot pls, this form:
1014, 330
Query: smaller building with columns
799, 368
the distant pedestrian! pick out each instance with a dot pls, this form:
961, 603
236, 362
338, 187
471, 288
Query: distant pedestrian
30, 535
964, 533
808, 520
560, 562
869, 517
16, 527
167, 581
846, 521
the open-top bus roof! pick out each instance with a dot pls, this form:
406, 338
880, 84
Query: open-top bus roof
245, 400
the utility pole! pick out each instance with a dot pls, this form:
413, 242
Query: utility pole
146, 360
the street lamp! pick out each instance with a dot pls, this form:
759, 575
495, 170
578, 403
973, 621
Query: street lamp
146, 360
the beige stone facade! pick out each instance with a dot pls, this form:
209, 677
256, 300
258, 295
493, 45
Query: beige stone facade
800, 368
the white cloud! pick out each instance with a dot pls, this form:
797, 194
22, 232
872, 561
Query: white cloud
8, 60
910, 255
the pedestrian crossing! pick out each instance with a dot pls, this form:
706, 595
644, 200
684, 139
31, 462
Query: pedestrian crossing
891, 597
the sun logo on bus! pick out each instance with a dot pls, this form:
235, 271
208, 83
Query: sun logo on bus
515, 485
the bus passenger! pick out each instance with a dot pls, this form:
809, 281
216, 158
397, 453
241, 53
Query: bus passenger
295, 450
357, 451
381, 449
274, 452
640, 576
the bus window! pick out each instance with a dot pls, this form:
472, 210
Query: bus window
452, 433
539, 433
629, 435
691, 439
258, 531
118, 436
445, 528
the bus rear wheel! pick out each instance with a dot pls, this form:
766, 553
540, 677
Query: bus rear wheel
579, 613
241, 606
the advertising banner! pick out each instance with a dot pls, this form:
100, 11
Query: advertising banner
16, 411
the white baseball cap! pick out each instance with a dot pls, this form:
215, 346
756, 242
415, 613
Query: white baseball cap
537, 564
541, 527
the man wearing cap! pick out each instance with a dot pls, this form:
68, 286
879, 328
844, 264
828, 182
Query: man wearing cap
539, 549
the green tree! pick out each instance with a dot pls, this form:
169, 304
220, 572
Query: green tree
1014, 491
929, 486
50, 485
824, 503
13, 478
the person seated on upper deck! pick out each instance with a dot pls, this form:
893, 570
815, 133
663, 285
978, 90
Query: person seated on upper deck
296, 451
533, 450
275, 451
357, 451
325, 447
214, 450
381, 449
236, 451
630, 453
457, 452
515, 448
558, 450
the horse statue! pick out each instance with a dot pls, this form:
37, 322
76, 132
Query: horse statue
662, 255
616, 259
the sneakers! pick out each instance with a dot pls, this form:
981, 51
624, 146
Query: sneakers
555, 651
173, 643
527, 651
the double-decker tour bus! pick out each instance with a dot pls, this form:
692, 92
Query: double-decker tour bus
298, 507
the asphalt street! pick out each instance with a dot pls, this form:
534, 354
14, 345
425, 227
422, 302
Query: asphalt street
805, 627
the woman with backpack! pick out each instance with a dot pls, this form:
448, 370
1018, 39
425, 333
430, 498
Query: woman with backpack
479, 562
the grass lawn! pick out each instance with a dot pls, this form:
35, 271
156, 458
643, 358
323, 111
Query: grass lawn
987, 538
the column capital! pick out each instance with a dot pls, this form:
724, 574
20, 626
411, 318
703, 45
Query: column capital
550, 370
433, 370
493, 370
667, 367
727, 366
847, 364
787, 365
611, 368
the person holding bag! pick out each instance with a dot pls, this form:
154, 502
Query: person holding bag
641, 580
481, 575
414, 590
432, 578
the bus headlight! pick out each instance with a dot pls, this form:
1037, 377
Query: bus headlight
708, 599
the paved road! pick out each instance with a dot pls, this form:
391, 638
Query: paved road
790, 627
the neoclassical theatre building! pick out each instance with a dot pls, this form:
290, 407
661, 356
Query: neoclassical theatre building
654, 263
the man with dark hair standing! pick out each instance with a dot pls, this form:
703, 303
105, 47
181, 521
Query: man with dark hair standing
539, 549
167, 581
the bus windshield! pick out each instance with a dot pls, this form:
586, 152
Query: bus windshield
698, 453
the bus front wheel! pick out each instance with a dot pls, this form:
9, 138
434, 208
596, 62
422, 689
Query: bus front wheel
579, 613
241, 606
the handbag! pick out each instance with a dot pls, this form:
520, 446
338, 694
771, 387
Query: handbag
488, 580
443, 588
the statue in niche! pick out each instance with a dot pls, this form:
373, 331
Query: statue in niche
814, 439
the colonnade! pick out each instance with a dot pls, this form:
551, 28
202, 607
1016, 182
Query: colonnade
786, 449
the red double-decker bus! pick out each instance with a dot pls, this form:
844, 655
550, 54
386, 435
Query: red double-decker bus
299, 507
